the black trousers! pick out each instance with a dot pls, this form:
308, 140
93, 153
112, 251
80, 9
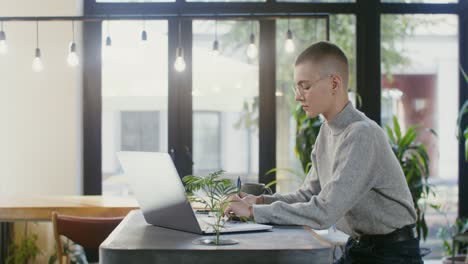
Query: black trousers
402, 252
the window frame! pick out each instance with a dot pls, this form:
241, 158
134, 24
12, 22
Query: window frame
368, 70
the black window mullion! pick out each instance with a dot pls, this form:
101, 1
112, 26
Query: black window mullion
418, 8
267, 101
92, 108
463, 96
203, 8
180, 97
368, 58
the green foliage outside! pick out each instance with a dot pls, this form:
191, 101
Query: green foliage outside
447, 232
414, 161
26, 250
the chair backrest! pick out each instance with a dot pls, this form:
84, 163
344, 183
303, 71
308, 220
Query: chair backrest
89, 232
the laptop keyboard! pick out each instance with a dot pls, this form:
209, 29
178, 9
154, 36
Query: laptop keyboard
205, 224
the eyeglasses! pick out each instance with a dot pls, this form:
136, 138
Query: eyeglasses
306, 85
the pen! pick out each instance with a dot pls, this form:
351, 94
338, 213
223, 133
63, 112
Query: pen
238, 185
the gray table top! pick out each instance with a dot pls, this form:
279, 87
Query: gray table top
135, 235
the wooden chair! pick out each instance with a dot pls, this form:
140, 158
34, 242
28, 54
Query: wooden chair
89, 232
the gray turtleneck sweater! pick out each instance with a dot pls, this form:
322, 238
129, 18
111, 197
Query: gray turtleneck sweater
355, 181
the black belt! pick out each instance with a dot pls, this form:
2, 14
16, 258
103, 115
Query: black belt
401, 234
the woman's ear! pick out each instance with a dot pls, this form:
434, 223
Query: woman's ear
335, 83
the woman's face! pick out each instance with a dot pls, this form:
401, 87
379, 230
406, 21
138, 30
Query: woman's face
313, 90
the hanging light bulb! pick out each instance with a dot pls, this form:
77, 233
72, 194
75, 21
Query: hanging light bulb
72, 59
289, 45
37, 65
144, 35
216, 42
3, 43
108, 38
179, 64
108, 41
216, 48
252, 50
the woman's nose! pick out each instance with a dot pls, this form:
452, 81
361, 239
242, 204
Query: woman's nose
298, 97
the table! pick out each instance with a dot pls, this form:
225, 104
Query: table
39, 208
135, 241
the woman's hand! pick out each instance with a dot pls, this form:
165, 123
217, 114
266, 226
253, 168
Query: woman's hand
239, 207
249, 198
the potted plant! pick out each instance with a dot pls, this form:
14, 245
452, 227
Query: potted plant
307, 130
26, 250
447, 234
212, 191
414, 161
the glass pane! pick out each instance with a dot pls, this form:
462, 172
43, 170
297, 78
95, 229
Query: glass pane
134, 95
319, 1
305, 32
225, 100
234, 1
133, 1
207, 125
420, 87
421, 1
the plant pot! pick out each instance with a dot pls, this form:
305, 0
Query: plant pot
212, 242
459, 259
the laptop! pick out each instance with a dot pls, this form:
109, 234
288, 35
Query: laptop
161, 194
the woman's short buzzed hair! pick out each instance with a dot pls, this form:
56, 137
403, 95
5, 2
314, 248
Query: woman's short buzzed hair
328, 58
320, 51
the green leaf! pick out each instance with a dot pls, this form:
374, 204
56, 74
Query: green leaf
462, 112
308, 167
433, 132
464, 74
52, 259
466, 147
271, 183
298, 174
397, 129
390, 135
408, 138
424, 227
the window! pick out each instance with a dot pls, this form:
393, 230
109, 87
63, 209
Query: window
213, 1
140, 131
420, 87
228, 85
207, 128
134, 95
133, 1
319, 1
421, 1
